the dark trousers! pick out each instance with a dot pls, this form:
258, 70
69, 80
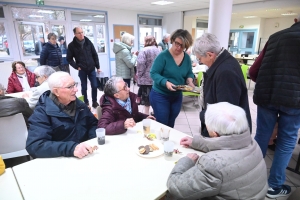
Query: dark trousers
83, 75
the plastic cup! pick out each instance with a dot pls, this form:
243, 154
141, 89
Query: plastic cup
164, 134
100, 132
168, 150
146, 126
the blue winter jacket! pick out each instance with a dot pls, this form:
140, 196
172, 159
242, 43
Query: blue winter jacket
51, 55
53, 133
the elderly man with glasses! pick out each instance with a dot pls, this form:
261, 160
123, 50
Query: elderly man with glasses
119, 109
60, 123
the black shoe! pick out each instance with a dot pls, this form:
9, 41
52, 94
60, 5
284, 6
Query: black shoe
95, 104
272, 147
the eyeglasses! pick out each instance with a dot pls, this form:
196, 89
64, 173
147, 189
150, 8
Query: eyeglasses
71, 87
36, 77
177, 44
124, 88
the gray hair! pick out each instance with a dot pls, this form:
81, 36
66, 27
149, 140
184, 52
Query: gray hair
51, 35
166, 36
206, 43
226, 119
44, 70
110, 87
127, 38
57, 79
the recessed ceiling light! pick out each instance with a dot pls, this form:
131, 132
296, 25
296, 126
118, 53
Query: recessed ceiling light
46, 11
289, 13
99, 16
162, 3
234, 13
85, 20
250, 16
39, 16
273, 9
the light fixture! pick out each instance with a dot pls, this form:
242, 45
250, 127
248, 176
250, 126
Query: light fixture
250, 16
99, 16
288, 13
85, 20
38, 16
162, 3
46, 11
273, 9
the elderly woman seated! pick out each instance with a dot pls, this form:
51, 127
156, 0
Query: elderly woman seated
41, 73
119, 109
21, 79
60, 122
233, 166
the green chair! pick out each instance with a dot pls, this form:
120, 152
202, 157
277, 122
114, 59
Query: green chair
81, 98
245, 69
192, 94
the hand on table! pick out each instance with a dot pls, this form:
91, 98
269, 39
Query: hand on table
170, 85
186, 141
82, 150
151, 117
129, 123
193, 156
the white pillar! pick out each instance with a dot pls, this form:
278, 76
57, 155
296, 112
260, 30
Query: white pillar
219, 20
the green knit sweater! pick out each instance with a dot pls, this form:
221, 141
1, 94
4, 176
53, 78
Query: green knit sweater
165, 69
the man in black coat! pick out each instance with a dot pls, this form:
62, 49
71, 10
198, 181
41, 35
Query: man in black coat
86, 60
12, 106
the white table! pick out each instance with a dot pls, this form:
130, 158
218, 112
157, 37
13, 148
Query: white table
9, 188
114, 171
19, 94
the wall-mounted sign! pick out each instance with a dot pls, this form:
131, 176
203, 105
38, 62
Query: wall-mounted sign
241, 26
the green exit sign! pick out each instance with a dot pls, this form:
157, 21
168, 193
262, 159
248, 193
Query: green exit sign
39, 2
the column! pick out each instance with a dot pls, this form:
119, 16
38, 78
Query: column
219, 20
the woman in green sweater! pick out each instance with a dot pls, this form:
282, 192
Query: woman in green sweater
171, 67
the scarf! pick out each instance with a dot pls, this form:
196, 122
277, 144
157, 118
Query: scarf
69, 109
125, 104
201, 97
81, 43
24, 81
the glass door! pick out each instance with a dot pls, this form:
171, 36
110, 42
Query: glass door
144, 31
242, 41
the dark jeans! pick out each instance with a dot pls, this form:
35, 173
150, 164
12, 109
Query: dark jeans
83, 75
165, 107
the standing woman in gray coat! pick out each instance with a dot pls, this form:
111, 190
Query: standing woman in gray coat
125, 60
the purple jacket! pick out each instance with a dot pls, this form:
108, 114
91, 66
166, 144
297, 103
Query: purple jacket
114, 115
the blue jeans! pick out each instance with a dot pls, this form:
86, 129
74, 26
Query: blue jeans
166, 108
83, 75
288, 125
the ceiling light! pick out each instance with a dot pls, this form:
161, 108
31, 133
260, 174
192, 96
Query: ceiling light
85, 20
162, 3
273, 9
289, 13
39, 16
99, 16
46, 11
250, 16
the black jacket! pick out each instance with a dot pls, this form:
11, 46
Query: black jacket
51, 55
86, 58
278, 80
11, 106
224, 82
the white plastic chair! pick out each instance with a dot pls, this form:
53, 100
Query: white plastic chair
13, 135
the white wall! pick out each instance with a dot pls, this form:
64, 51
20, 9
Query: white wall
269, 26
172, 22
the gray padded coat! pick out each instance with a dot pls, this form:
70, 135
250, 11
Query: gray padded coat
232, 168
125, 61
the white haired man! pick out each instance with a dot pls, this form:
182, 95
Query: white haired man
164, 44
232, 167
60, 122
42, 73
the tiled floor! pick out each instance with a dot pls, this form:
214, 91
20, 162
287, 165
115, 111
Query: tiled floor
188, 122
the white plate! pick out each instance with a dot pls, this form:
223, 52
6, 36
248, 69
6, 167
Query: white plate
152, 154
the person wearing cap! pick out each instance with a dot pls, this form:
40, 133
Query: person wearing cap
82, 56
11, 106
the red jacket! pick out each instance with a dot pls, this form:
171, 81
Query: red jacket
114, 115
14, 84
253, 71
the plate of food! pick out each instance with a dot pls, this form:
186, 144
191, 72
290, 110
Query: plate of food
149, 149
187, 88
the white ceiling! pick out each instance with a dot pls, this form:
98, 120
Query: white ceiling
240, 7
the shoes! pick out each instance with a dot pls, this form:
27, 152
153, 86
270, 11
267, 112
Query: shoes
95, 104
272, 147
284, 190
138, 100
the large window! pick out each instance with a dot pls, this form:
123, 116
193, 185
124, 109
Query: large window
149, 26
242, 41
4, 44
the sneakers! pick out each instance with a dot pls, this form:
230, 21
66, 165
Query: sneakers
284, 190
95, 104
